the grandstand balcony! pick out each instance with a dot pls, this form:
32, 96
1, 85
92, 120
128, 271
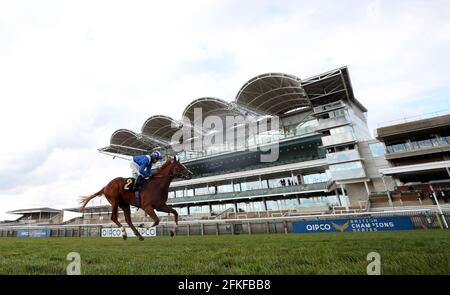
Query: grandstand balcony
285, 190
343, 156
329, 123
328, 107
299, 150
414, 148
338, 139
347, 171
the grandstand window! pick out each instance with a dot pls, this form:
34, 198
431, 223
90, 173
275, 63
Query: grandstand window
237, 187
272, 205
201, 191
428, 142
171, 195
226, 188
318, 201
377, 149
199, 209
337, 113
400, 147
182, 210
301, 128
445, 139
179, 194
189, 193
289, 204
219, 208
273, 183
250, 206
253, 185
315, 178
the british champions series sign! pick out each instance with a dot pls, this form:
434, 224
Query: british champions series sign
354, 225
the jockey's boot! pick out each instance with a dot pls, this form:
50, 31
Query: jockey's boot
138, 183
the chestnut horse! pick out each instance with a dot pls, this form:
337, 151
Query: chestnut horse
153, 195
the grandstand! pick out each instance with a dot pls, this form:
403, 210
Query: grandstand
325, 163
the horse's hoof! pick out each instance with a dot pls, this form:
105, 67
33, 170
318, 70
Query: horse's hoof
141, 238
141, 225
172, 233
124, 237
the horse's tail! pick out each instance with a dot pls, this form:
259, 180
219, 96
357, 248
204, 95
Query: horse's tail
85, 200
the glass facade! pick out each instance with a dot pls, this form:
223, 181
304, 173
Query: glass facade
199, 209
219, 208
301, 128
226, 188
316, 178
346, 166
247, 186
319, 201
377, 149
416, 144
342, 129
250, 206
445, 139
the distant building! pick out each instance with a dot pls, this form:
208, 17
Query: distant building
418, 152
35, 215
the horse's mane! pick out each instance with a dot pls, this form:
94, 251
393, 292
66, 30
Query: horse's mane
163, 166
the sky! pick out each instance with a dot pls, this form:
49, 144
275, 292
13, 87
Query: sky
73, 72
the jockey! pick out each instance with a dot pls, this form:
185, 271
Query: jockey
141, 165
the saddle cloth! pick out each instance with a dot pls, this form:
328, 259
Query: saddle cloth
128, 186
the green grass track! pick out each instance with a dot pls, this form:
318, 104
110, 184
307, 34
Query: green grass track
402, 252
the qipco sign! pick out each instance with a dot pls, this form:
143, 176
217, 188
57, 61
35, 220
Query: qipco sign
117, 233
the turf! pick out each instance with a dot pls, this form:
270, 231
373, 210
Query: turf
402, 252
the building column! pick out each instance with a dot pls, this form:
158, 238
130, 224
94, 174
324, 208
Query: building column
367, 188
265, 204
235, 206
210, 208
292, 178
337, 196
448, 170
387, 191
188, 210
232, 185
343, 195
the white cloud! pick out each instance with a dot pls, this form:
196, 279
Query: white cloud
73, 72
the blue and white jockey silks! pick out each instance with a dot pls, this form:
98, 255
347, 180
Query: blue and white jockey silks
141, 165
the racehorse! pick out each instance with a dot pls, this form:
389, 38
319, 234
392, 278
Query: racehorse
153, 195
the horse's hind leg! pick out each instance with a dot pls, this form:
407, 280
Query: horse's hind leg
169, 209
151, 212
127, 213
115, 206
